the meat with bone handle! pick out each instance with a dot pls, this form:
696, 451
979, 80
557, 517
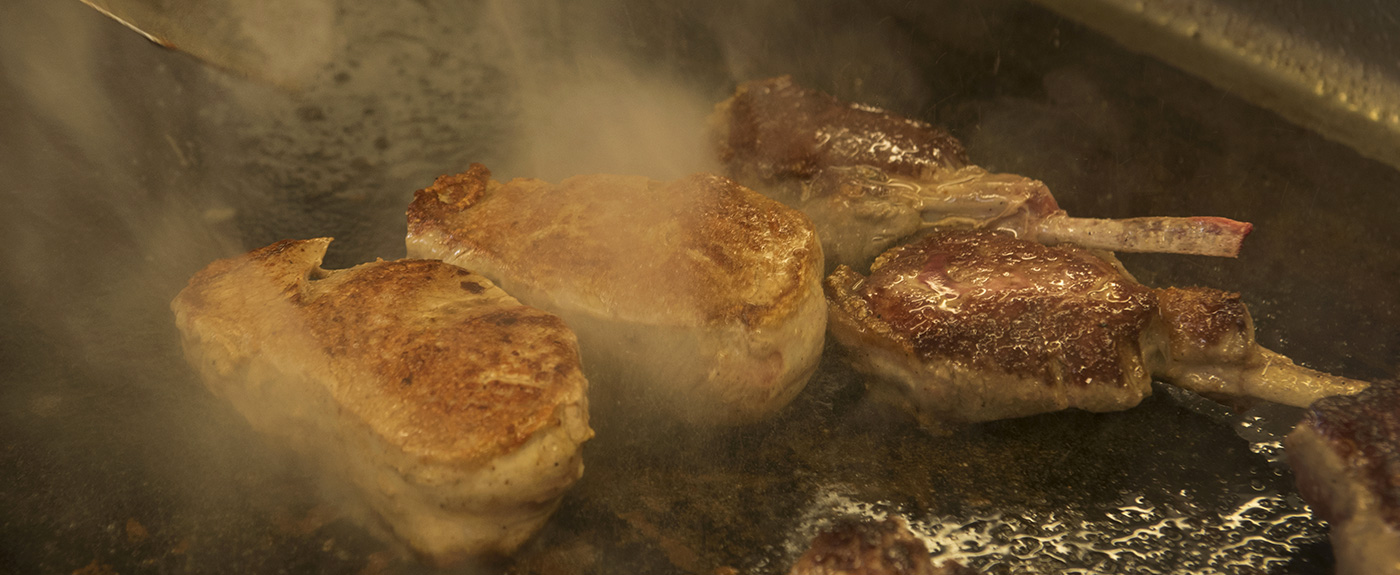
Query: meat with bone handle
963, 326
1346, 456
869, 178
696, 299
449, 411
869, 547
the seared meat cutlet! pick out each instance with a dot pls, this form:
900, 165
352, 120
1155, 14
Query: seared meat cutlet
867, 547
1346, 455
977, 325
869, 178
452, 412
696, 299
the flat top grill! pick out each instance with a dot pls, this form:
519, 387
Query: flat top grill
127, 167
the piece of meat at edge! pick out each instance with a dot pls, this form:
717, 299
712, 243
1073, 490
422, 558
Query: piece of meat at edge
962, 326
695, 300
449, 415
869, 178
869, 547
1345, 454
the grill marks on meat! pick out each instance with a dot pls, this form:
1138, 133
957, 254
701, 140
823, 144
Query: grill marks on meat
869, 178
697, 297
1346, 454
454, 413
867, 547
977, 325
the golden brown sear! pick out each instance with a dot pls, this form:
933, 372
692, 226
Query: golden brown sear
695, 299
453, 412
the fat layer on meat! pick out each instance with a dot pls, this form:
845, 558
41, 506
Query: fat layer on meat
977, 325
1346, 456
453, 413
695, 299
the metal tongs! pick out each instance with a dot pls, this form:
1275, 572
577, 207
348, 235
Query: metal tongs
282, 42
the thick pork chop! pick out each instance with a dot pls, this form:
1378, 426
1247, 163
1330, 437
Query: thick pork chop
453, 412
976, 325
695, 299
1346, 454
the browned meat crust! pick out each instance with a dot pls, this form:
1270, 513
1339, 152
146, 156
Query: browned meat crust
696, 299
864, 547
1059, 314
1364, 429
1346, 454
780, 130
699, 249
1206, 325
453, 411
869, 178
964, 326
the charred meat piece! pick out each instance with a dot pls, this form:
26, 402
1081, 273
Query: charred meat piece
869, 178
1346, 455
867, 547
452, 412
696, 299
977, 325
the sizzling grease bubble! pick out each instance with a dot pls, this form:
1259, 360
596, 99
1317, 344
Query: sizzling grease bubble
1260, 533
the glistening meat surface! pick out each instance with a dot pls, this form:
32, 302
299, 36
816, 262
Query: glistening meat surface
453, 414
976, 325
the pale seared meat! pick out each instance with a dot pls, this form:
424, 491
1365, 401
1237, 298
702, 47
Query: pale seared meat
696, 299
451, 412
1346, 455
867, 547
964, 326
869, 178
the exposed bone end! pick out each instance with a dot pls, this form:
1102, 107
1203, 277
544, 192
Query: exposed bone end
1208, 347
1204, 236
1265, 375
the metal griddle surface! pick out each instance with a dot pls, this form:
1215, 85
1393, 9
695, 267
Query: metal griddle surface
127, 167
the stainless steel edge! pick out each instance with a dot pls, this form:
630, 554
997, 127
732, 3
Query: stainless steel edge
1333, 67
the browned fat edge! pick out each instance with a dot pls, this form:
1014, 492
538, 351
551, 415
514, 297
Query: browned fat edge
449, 383
447, 196
1201, 318
1364, 429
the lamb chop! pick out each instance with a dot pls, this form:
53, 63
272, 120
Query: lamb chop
865, 547
452, 414
1346, 454
963, 326
696, 299
868, 178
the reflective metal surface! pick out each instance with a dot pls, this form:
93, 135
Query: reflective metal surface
125, 167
